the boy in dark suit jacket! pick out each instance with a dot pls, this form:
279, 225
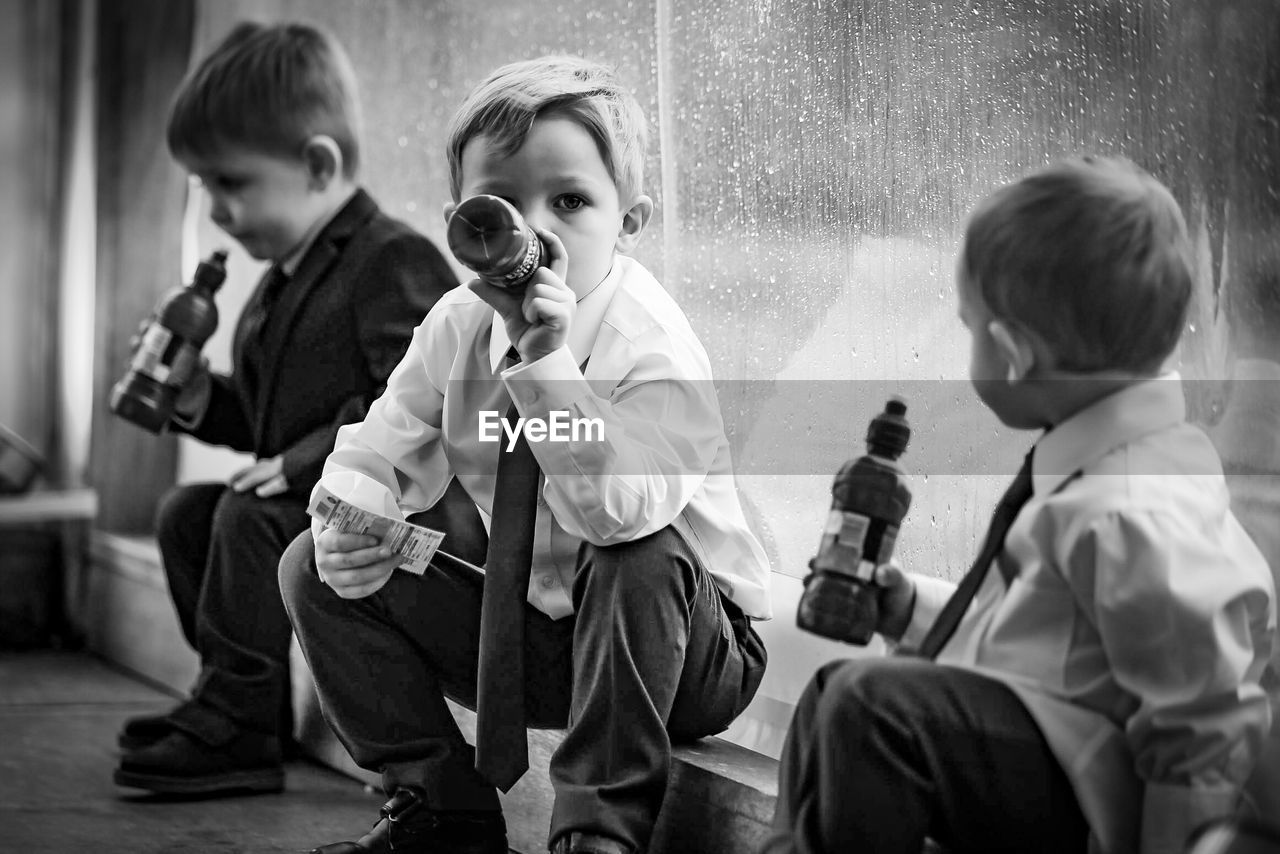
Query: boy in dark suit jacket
269, 123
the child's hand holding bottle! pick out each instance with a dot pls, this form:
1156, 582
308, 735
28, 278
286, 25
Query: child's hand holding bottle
896, 595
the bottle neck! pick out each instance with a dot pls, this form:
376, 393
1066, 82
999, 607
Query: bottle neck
204, 288
883, 455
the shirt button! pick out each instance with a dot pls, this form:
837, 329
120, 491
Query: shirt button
547, 581
542, 501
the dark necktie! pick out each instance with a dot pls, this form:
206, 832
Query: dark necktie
254, 325
1006, 511
273, 282
502, 752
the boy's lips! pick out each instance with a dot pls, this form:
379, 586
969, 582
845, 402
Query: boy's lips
247, 239
251, 243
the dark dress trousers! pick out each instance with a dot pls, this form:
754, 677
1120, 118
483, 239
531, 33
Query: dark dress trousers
654, 654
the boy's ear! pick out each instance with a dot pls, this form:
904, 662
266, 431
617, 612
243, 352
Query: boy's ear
323, 159
449, 208
634, 219
1016, 348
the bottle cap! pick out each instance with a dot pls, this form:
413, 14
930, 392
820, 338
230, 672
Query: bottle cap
889, 431
212, 271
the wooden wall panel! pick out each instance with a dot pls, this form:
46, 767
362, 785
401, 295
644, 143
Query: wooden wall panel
144, 47
29, 80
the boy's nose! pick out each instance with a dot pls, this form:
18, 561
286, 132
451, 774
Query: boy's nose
219, 214
537, 216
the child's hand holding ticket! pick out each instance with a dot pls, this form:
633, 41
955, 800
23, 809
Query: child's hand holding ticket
416, 544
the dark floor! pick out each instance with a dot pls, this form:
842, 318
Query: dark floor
59, 713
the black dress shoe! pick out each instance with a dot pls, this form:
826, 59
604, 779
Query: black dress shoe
407, 826
180, 764
144, 731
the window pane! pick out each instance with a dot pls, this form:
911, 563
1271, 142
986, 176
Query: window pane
813, 162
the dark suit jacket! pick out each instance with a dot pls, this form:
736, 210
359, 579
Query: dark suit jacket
339, 326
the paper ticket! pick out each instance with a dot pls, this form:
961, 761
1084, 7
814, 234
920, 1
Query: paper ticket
416, 544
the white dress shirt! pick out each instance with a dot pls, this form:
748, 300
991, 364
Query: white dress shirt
1138, 625
659, 456
1248, 439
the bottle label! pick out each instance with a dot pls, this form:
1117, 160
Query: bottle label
853, 544
888, 537
164, 357
842, 541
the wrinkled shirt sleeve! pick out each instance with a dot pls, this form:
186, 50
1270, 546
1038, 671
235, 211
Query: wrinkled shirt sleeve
659, 434
1188, 639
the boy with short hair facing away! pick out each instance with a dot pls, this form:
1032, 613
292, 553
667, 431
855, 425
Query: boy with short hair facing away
1095, 682
269, 122
633, 623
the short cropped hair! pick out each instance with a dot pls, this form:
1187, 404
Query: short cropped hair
504, 106
1090, 254
269, 89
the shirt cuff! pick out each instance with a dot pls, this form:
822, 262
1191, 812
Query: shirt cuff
931, 594
357, 489
554, 382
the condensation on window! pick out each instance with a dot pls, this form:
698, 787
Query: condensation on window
813, 162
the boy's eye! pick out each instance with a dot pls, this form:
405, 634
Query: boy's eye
571, 201
224, 183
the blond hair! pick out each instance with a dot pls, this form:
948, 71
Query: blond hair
504, 106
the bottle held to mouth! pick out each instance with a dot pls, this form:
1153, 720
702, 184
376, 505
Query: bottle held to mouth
488, 235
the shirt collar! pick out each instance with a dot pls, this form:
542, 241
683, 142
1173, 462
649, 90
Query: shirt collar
289, 264
1105, 425
587, 319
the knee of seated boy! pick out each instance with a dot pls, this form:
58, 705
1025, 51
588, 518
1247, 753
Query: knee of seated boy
653, 565
297, 568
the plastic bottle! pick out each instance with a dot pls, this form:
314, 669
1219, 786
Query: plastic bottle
169, 351
488, 235
870, 497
